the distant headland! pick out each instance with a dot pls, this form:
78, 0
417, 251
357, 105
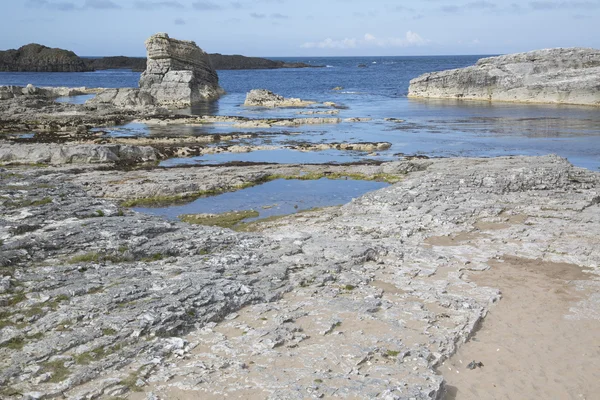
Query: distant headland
38, 58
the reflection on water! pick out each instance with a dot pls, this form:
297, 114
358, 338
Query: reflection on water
283, 156
278, 197
200, 109
81, 99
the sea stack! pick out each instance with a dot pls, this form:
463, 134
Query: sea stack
179, 73
559, 76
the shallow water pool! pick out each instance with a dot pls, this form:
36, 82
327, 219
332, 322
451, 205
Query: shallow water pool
81, 99
279, 197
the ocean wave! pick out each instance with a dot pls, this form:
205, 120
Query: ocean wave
329, 66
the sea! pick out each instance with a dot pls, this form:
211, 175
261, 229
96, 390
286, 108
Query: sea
376, 88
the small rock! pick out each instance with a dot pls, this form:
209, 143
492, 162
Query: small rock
475, 365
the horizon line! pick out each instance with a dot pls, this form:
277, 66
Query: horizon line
271, 57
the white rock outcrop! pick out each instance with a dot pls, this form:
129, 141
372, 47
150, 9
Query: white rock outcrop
266, 98
179, 73
560, 76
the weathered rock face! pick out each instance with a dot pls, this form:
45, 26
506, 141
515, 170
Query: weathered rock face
179, 73
37, 58
266, 98
562, 76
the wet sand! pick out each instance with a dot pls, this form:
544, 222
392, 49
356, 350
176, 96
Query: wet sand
531, 345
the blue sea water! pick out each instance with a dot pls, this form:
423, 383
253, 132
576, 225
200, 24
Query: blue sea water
436, 128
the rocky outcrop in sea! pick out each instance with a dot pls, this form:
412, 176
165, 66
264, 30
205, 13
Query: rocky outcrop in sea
178, 73
37, 58
560, 76
266, 98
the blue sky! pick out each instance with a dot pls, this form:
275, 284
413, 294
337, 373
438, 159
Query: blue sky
304, 27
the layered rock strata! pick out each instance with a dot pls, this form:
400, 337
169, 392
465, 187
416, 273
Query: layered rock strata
561, 76
178, 72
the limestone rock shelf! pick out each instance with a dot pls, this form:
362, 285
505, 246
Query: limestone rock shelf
559, 76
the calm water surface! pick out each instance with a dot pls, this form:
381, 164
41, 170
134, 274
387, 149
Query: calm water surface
279, 197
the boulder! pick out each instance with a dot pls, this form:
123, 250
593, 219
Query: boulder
266, 98
178, 73
560, 76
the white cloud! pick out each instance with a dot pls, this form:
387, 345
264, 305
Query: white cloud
368, 40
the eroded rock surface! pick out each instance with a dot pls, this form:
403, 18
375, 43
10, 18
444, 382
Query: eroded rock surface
353, 302
562, 76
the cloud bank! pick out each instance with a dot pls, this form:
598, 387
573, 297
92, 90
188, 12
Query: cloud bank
368, 41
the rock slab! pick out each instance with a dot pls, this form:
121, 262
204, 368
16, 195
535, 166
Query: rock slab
558, 76
179, 73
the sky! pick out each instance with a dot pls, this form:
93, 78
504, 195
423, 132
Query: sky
303, 28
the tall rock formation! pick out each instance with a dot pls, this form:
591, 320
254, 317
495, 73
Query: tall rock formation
178, 73
560, 76
37, 58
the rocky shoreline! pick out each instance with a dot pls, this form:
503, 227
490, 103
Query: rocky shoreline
370, 299
296, 289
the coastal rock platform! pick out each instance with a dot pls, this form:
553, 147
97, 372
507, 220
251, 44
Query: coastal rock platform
560, 76
367, 300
